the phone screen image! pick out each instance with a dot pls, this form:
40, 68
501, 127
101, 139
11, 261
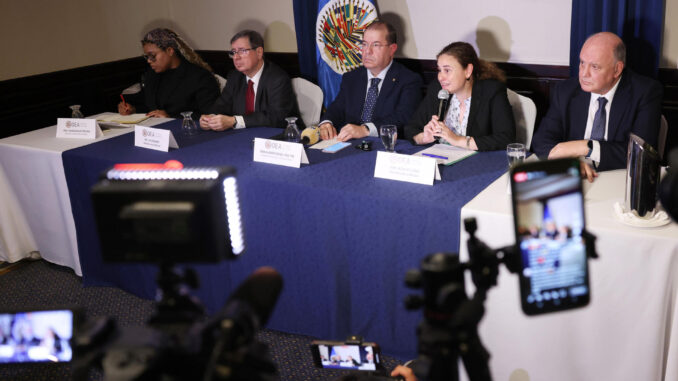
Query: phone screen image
36, 336
336, 147
549, 222
344, 356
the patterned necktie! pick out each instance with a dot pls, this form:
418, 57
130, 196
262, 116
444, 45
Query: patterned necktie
249, 98
370, 101
598, 130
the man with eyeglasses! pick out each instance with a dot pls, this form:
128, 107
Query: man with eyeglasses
257, 92
380, 92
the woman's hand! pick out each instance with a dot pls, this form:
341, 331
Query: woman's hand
427, 136
125, 108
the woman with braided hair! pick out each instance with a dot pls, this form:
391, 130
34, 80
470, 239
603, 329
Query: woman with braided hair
178, 79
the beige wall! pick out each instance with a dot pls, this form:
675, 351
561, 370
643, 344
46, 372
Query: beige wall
41, 36
669, 57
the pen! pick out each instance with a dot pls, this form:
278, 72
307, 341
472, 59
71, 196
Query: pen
123, 100
436, 156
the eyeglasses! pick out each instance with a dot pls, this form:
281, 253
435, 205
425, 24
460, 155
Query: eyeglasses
149, 57
240, 52
375, 45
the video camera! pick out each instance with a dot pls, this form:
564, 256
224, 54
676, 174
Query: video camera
551, 241
167, 214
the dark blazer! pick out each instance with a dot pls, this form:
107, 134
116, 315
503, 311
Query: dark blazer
399, 95
275, 99
186, 88
636, 108
490, 119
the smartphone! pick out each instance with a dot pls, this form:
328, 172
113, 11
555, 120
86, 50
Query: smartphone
548, 213
336, 147
339, 355
36, 336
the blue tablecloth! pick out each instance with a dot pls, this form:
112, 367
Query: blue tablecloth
342, 239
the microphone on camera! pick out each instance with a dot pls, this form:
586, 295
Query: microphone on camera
310, 135
443, 95
250, 305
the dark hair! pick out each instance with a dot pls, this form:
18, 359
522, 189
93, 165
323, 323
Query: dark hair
465, 54
254, 38
165, 38
391, 35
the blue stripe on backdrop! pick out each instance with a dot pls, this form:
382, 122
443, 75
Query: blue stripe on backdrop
638, 22
305, 13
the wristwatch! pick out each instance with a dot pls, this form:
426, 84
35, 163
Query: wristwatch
590, 144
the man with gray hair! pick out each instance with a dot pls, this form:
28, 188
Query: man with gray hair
591, 117
257, 92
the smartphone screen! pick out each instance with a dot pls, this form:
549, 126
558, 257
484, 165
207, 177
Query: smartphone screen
336, 147
339, 355
548, 212
36, 336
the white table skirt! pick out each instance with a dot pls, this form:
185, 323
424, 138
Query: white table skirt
35, 172
629, 331
16, 238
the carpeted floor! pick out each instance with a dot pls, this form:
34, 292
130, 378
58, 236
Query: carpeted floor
41, 285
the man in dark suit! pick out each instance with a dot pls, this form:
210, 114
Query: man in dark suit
257, 93
577, 122
380, 92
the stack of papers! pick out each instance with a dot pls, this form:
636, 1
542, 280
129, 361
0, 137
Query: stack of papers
123, 119
446, 154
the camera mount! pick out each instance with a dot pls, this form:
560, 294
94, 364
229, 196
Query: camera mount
450, 326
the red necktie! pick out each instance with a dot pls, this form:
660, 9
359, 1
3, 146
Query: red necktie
249, 98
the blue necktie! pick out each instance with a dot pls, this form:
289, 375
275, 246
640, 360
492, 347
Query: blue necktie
370, 101
598, 130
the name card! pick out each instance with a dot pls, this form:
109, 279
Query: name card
412, 169
280, 153
78, 128
154, 138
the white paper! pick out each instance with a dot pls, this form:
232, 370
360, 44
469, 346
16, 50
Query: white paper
154, 138
78, 128
324, 144
409, 168
279, 152
446, 154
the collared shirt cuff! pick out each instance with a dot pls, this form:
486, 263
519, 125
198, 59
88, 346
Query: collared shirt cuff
373, 129
239, 122
326, 121
595, 153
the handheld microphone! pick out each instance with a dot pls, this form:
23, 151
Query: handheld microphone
310, 135
443, 95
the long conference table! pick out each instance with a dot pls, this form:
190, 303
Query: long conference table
343, 241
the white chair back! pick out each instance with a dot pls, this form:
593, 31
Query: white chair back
661, 139
310, 99
524, 114
222, 82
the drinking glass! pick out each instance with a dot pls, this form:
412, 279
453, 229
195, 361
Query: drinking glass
292, 132
188, 126
515, 153
389, 135
76, 113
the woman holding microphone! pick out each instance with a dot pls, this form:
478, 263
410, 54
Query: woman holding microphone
478, 115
